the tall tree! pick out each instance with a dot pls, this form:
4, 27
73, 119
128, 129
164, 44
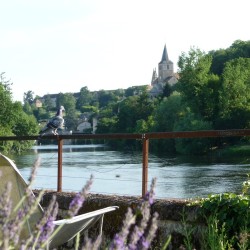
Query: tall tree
236, 50
132, 109
28, 97
48, 103
198, 87
13, 120
67, 100
235, 95
84, 98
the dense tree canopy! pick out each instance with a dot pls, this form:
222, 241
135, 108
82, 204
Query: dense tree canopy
235, 101
13, 120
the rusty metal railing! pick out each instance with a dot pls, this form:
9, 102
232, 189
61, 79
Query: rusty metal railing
143, 137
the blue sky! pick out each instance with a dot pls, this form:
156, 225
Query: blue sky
53, 46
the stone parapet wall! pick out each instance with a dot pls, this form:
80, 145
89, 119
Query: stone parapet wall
171, 213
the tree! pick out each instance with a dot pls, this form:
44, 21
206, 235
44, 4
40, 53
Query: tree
220, 57
6, 106
198, 87
235, 94
131, 110
13, 120
28, 97
191, 122
106, 125
67, 100
135, 90
193, 70
167, 90
84, 98
106, 97
168, 112
48, 103
71, 119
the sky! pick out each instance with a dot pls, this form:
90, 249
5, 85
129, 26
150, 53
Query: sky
53, 46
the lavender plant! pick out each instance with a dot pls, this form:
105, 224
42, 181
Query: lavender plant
137, 232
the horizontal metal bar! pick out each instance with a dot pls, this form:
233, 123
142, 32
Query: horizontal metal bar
196, 134
158, 135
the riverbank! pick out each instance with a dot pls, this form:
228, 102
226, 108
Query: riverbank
235, 150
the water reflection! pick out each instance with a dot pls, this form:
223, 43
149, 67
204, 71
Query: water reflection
120, 173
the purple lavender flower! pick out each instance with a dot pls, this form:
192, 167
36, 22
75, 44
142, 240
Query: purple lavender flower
145, 243
93, 245
5, 203
150, 195
78, 200
142, 235
33, 171
45, 227
120, 239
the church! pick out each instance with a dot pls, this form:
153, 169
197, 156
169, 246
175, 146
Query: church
165, 75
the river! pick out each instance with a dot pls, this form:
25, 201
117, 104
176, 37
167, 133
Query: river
121, 173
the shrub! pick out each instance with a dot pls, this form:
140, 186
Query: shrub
227, 218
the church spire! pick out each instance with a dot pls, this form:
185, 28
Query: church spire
164, 55
154, 76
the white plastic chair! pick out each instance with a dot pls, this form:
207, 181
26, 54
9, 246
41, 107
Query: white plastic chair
69, 227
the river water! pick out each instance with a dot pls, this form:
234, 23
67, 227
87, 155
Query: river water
121, 173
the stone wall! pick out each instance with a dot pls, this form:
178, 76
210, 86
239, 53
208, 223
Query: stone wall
171, 214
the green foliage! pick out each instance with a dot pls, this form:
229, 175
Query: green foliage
48, 103
71, 119
235, 100
5, 146
13, 120
106, 97
230, 208
27, 108
106, 125
168, 112
67, 100
226, 217
187, 231
131, 110
135, 90
215, 236
229, 212
28, 97
84, 98
198, 87
41, 114
89, 108
190, 122
236, 50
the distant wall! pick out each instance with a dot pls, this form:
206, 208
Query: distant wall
170, 213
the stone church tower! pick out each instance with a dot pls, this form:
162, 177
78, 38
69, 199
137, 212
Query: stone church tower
165, 66
165, 75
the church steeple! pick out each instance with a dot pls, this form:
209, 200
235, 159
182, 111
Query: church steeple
165, 66
165, 75
164, 57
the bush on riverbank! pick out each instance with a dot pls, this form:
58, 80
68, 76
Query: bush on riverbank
235, 150
227, 220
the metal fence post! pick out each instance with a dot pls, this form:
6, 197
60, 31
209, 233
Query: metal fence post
145, 147
59, 173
